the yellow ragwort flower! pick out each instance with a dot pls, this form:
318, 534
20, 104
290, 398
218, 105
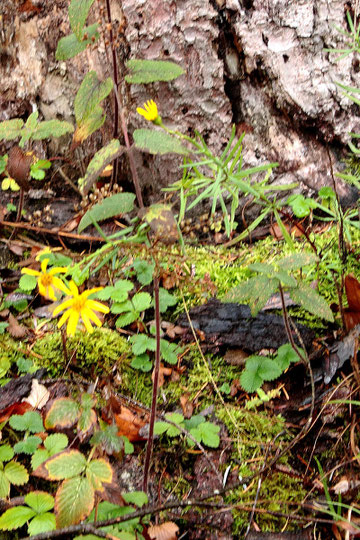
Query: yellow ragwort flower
150, 112
79, 306
47, 280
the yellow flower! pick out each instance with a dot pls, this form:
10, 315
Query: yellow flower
80, 306
150, 112
47, 280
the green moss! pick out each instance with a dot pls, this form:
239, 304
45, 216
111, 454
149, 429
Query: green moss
11, 350
91, 354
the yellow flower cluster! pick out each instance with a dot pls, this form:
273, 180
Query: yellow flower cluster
75, 306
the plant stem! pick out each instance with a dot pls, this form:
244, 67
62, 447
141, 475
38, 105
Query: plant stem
116, 84
150, 441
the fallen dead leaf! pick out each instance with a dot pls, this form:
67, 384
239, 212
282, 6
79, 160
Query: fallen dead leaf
15, 329
163, 372
186, 405
38, 396
165, 531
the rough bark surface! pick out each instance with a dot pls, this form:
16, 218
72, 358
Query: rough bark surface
260, 64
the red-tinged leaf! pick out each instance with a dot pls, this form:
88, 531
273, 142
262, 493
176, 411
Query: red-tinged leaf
129, 424
74, 501
165, 531
99, 471
352, 288
63, 413
64, 465
17, 408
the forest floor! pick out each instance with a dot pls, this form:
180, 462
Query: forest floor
225, 463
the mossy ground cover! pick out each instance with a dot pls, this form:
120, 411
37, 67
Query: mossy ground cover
107, 354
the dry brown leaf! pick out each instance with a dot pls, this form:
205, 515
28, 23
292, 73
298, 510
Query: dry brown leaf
38, 396
129, 424
186, 405
165, 531
15, 329
163, 372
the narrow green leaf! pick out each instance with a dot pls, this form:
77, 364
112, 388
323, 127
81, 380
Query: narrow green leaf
11, 129
70, 46
121, 203
101, 159
158, 142
90, 94
51, 128
148, 71
78, 12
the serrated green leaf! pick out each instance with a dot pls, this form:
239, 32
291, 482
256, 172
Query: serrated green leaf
141, 301
142, 363
126, 319
42, 523
56, 442
136, 497
30, 421
194, 421
312, 301
40, 501
148, 71
70, 46
286, 355
78, 13
288, 281
166, 299
142, 343
16, 517
108, 439
158, 142
120, 203
262, 268
67, 464
269, 369
4, 486
209, 434
250, 379
170, 351
144, 271
16, 473
160, 427
27, 283
101, 159
296, 261
27, 446
74, 501
6, 452
63, 413
11, 129
99, 471
256, 292
39, 457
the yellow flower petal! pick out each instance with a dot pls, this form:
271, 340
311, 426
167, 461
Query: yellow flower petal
44, 264
64, 317
62, 306
97, 306
58, 270
87, 293
150, 111
92, 316
86, 322
72, 323
60, 285
73, 288
30, 272
42, 289
50, 293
